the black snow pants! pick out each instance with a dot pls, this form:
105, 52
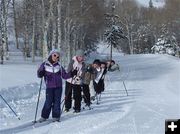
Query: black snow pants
76, 90
99, 87
86, 93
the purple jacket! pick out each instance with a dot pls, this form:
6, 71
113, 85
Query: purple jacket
53, 74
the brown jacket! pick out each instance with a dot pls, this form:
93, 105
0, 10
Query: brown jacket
89, 74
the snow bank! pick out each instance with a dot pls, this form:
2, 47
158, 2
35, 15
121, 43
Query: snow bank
19, 93
17, 74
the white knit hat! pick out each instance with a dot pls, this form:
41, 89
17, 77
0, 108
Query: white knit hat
80, 52
54, 51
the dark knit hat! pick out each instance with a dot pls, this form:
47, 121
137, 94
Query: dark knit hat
97, 61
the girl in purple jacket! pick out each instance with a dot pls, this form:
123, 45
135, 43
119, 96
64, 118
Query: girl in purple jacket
53, 73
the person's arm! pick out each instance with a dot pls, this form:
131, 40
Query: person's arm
70, 71
41, 70
64, 74
70, 66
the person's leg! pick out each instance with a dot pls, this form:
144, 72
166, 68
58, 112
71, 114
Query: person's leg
99, 87
102, 86
95, 87
68, 96
92, 91
86, 93
48, 104
77, 97
57, 100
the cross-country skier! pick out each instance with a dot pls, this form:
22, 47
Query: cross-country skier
53, 73
112, 66
88, 76
99, 80
73, 85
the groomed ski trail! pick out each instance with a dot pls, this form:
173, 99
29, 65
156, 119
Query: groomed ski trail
153, 91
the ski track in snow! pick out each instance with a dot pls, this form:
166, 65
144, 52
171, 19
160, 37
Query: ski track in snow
151, 83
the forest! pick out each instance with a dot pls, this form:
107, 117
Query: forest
34, 27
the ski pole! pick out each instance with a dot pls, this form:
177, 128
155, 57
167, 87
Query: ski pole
10, 107
62, 102
38, 100
125, 88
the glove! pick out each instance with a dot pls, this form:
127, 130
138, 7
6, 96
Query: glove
73, 73
41, 74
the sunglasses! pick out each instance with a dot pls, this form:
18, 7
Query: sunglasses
57, 56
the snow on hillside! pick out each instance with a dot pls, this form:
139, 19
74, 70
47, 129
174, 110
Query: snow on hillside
153, 88
156, 3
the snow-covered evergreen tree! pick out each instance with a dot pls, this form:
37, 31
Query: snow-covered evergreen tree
143, 39
113, 37
114, 34
166, 43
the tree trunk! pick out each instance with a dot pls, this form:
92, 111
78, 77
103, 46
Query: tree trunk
25, 50
15, 25
54, 36
45, 48
59, 6
33, 40
46, 22
67, 33
6, 29
1, 33
4, 6
129, 39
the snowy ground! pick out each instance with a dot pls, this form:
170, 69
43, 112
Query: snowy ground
154, 95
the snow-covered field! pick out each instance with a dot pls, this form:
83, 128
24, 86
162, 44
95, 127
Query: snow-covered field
153, 88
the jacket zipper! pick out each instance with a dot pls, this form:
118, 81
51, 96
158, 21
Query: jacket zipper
54, 77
